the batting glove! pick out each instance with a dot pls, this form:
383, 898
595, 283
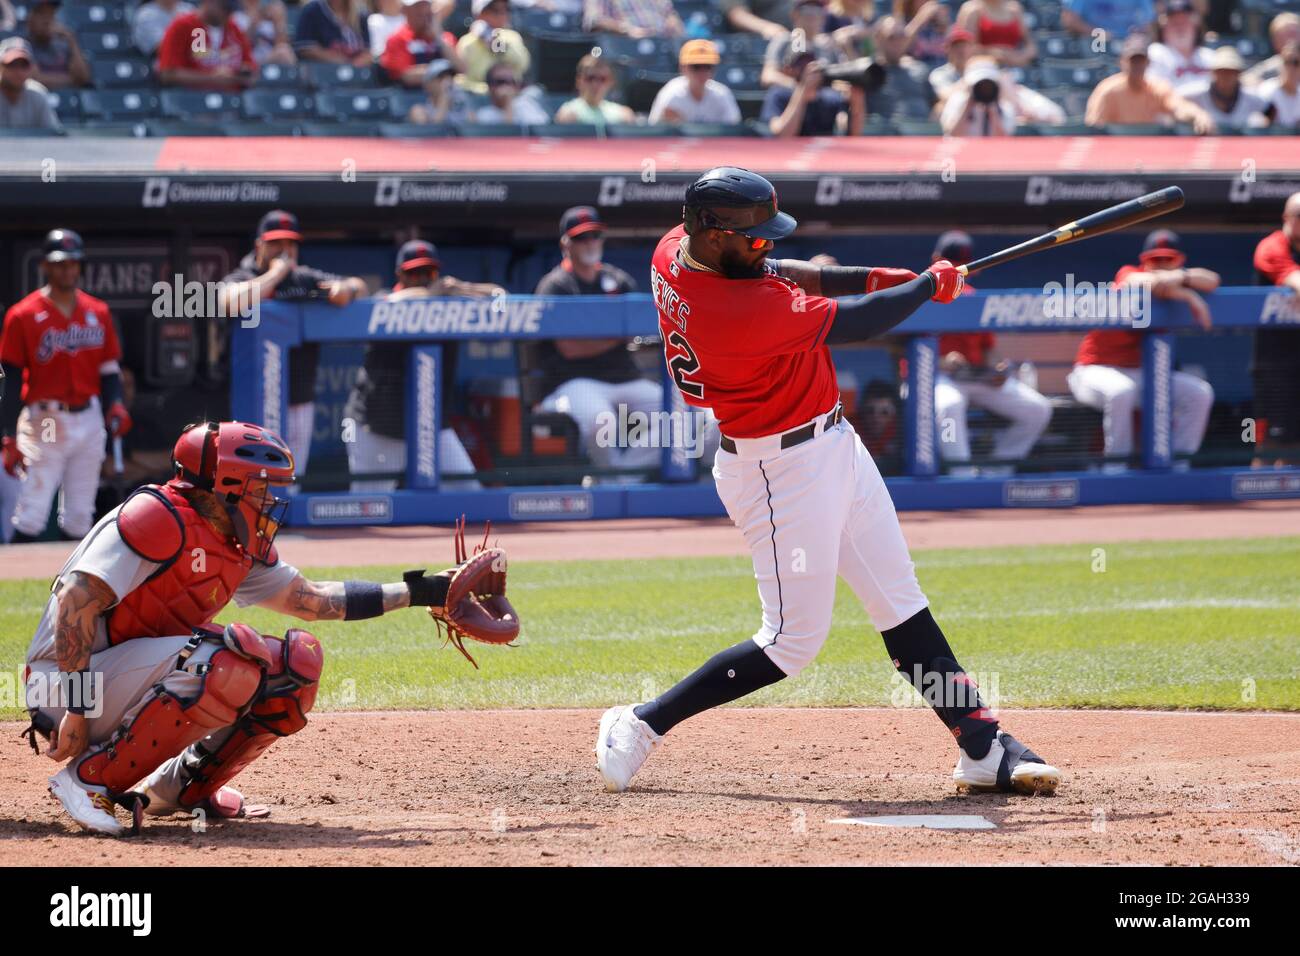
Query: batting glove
119, 420
885, 278
947, 281
11, 457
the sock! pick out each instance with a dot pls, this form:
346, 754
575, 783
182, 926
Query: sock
726, 676
921, 653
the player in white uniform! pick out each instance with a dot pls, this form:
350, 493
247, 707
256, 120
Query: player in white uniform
749, 337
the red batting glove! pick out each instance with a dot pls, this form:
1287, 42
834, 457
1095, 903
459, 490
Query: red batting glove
948, 282
11, 457
885, 278
119, 420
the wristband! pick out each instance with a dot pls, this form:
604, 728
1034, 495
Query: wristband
362, 599
426, 591
74, 688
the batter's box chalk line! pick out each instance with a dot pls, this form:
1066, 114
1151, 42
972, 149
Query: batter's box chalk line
928, 821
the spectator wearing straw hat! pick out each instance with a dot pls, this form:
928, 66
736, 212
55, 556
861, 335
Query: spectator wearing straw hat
1228, 103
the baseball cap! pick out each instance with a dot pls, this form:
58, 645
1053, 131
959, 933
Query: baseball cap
1135, 45
15, 48
1161, 243
981, 68
579, 220
437, 68
417, 254
1179, 6
955, 246
411, 3
478, 6
1227, 58
958, 35
696, 52
278, 224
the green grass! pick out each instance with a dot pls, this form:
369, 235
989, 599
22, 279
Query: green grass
1167, 624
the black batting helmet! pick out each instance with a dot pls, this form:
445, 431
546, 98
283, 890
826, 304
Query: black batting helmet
63, 244
735, 199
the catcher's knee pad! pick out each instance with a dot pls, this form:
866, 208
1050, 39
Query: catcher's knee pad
280, 710
229, 682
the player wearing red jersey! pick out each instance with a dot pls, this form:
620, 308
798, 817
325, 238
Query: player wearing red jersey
59, 344
1107, 372
749, 337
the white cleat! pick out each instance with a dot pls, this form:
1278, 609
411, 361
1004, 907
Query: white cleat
1008, 767
622, 744
91, 809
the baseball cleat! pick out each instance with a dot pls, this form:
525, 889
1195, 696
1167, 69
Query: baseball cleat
1008, 767
91, 809
622, 744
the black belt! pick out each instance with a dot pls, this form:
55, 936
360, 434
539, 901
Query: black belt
64, 407
795, 437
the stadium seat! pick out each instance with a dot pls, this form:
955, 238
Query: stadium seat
718, 129
557, 58
1070, 129
741, 77
276, 75
328, 75
417, 131
94, 16
200, 105
119, 71
97, 43
492, 129
278, 104
66, 103
1080, 73
567, 131
174, 127
702, 14
346, 128
1138, 129
265, 127
97, 129
27, 132
913, 127
750, 103
1062, 45
120, 104
642, 86
344, 105
645, 52
741, 48
640, 131
531, 20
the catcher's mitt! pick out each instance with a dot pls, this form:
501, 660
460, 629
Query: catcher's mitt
476, 605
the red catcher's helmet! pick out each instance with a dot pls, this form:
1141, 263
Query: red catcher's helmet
239, 463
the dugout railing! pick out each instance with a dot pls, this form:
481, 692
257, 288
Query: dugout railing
260, 351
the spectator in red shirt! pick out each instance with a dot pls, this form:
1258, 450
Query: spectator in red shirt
1107, 371
1276, 368
205, 50
416, 44
969, 374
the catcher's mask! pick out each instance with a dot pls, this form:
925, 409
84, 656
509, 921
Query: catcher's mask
240, 464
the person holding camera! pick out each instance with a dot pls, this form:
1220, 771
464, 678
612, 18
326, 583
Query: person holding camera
987, 102
808, 35
812, 107
223, 61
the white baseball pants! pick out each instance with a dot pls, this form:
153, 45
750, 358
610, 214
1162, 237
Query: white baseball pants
591, 404
810, 514
64, 453
299, 423
1116, 392
1027, 410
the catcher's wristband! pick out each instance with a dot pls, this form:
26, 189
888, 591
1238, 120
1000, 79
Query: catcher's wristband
362, 599
426, 591
76, 690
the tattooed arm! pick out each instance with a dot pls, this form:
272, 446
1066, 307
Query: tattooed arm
328, 600
81, 599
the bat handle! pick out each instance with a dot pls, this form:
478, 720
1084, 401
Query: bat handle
963, 270
117, 454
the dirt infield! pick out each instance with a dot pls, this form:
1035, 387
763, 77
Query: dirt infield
733, 786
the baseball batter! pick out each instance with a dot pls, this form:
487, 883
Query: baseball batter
750, 336
60, 344
153, 706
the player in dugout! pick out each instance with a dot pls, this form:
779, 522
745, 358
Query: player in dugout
272, 270
377, 405
1276, 366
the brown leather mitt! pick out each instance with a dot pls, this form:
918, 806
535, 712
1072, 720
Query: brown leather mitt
476, 606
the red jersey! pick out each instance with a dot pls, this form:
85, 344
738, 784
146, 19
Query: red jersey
974, 345
1275, 259
753, 350
1121, 348
61, 354
177, 49
404, 50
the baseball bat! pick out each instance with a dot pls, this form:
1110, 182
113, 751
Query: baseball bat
117, 455
1098, 224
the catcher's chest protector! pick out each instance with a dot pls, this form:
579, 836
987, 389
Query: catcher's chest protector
189, 590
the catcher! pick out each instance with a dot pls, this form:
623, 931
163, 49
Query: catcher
154, 707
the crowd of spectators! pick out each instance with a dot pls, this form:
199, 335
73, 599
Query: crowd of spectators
788, 67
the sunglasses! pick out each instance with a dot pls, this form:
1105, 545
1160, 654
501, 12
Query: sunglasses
755, 244
502, 81
702, 67
597, 78
21, 64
